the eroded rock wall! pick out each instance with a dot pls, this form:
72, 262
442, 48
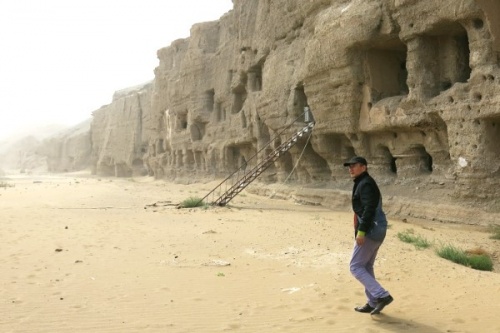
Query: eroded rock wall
69, 150
411, 85
120, 132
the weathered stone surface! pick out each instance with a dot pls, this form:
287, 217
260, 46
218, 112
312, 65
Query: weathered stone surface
69, 150
22, 156
120, 132
411, 85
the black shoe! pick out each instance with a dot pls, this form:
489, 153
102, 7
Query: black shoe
365, 308
381, 304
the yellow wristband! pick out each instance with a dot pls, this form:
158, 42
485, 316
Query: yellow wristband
361, 233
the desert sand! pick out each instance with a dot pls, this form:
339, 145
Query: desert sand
87, 254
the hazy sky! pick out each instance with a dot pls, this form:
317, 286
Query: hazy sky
62, 59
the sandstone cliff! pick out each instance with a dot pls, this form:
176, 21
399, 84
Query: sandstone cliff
120, 132
411, 85
68, 150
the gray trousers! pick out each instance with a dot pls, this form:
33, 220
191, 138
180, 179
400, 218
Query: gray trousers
362, 260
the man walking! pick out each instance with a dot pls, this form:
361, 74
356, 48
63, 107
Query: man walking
370, 226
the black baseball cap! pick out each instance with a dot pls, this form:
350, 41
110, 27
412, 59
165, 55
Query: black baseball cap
356, 159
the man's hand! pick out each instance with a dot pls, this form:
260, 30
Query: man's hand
360, 240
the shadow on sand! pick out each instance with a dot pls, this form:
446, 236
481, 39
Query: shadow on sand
391, 323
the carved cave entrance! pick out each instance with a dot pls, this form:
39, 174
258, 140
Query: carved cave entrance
299, 100
385, 160
385, 70
413, 162
209, 100
239, 95
182, 121
255, 78
197, 130
491, 138
446, 56
220, 112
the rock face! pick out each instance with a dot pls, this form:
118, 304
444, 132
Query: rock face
414, 86
120, 132
69, 150
22, 156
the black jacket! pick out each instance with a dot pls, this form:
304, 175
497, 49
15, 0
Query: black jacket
365, 199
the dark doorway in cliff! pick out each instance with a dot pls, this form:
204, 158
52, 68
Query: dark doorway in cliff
255, 78
387, 162
386, 72
243, 120
209, 100
238, 101
447, 56
392, 165
239, 95
197, 131
299, 100
490, 137
220, 112
182, 121
424, 159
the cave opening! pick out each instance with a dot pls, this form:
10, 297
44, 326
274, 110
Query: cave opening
182, 121
299, 100
491, 137
239, 95
386, 72
197, 130
255, 78
447, 52
209, 100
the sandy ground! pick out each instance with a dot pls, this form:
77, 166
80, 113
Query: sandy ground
82, 254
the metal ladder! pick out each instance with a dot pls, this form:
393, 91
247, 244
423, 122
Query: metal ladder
250, 176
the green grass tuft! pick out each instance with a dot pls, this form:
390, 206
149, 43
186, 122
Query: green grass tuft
192, 202
453, 254
476, 260
418, 241
481, 262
